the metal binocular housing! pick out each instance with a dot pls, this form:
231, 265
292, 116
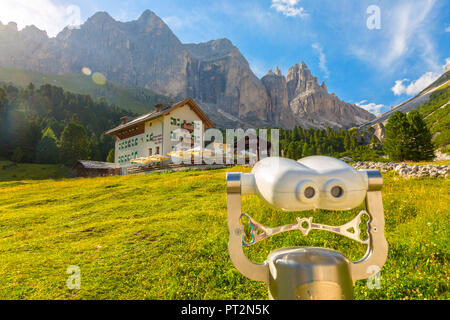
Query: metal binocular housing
311, 183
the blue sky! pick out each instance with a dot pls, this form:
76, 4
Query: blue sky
376, 67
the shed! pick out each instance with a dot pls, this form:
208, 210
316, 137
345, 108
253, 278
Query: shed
87, 168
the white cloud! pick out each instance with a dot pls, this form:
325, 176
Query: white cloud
322, 59
44, 14
411, 88
408, 19
406, 31
374, 108
447, 29
289, 8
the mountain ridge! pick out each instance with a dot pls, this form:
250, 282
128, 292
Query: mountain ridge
146, 53
412, 103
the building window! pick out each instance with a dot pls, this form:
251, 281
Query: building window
157, 150
150, 152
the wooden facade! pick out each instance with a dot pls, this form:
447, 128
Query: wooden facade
86, 168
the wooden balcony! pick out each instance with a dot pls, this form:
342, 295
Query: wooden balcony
188, 126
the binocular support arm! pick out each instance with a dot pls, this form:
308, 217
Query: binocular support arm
377, 250
251, 270
261, 232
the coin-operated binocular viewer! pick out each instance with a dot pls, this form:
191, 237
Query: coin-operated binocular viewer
307, 273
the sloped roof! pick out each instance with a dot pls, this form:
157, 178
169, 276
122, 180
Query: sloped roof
155, 114
96, 164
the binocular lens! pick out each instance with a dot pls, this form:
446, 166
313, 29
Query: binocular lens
337, 192
309, 192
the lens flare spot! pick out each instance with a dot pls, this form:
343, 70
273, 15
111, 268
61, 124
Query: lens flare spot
86, 71
98, 78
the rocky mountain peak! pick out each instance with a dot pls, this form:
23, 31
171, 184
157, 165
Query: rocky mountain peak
278, 72
33, 32
300, 100
100, 17
11, 26
147, 14
150, 21
211, 50
300, 80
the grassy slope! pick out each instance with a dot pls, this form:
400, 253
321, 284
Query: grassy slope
135, 99
441, 80
164, 236
437, 116
29, 171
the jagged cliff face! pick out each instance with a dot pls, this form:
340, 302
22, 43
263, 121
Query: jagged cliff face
145, 53
142, 53
298, 99
279, 112
219, 76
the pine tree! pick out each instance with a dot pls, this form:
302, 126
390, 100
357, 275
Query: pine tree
398, 142
29, 140
290, 152
74, 143
110, 157
422, 146
47, 149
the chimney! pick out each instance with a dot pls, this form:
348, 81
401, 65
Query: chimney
158, 107
123, 120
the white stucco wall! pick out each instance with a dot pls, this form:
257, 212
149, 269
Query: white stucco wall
184, 114
161, 128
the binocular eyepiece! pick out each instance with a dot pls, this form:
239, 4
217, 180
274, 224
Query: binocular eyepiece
310, 183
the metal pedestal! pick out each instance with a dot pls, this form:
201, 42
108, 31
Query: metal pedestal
309, 274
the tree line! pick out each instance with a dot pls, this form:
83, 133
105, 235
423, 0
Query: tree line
299, 143
407, 137
50, 125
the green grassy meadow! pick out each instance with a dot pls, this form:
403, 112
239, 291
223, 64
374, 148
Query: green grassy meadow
31, 171
164, 236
